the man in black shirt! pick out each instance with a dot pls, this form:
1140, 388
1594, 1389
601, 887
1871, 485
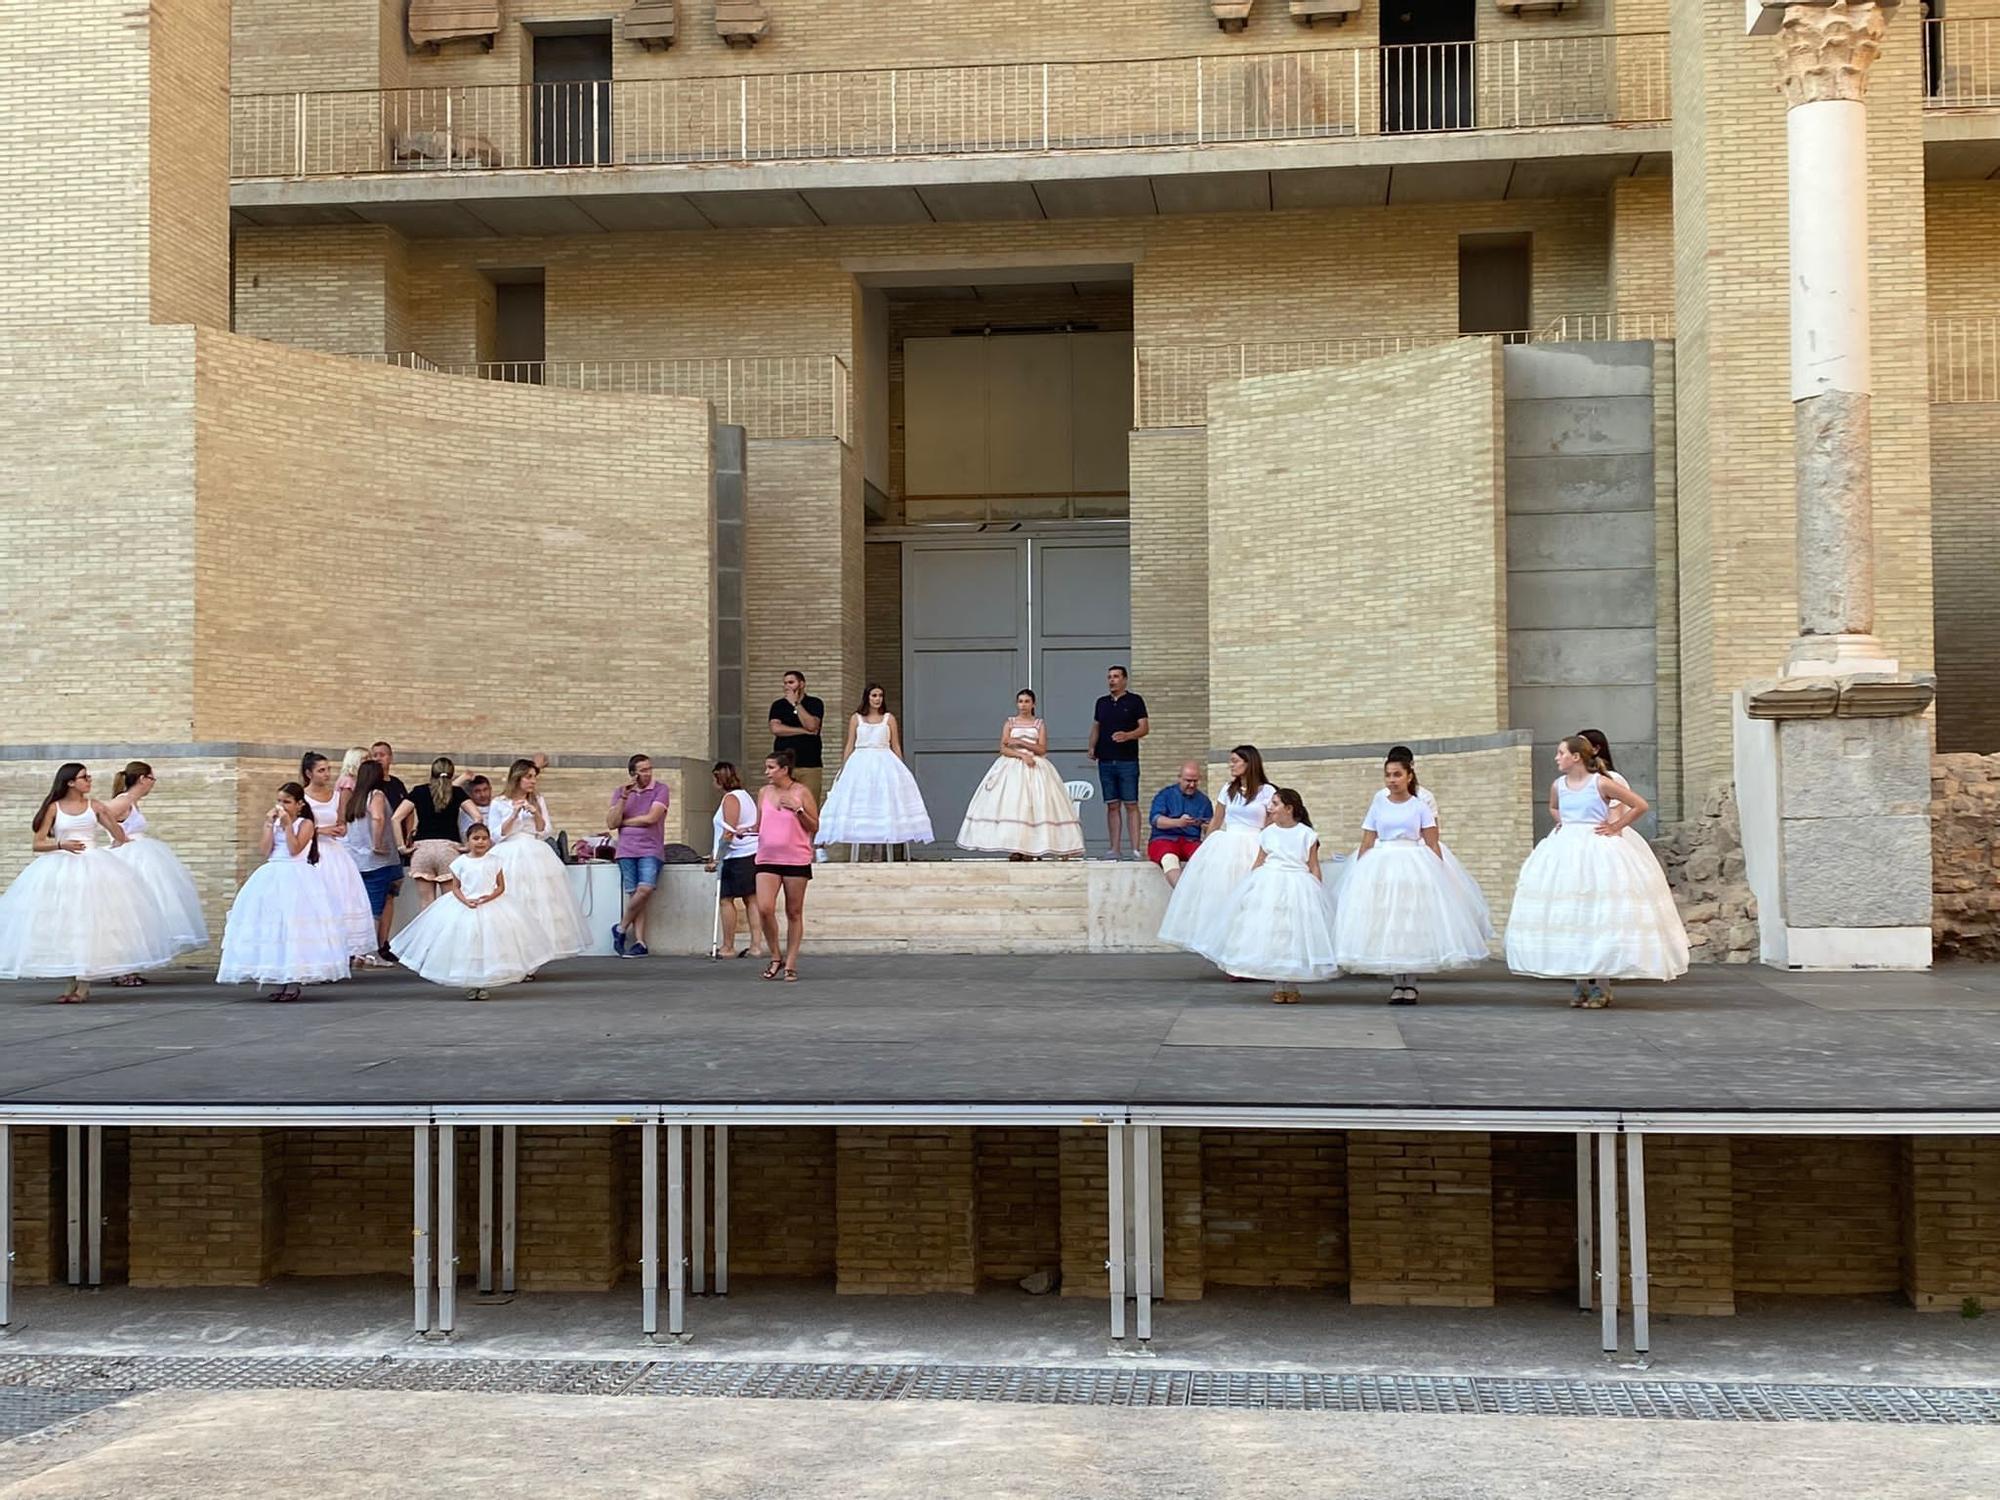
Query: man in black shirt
1116, 728
393, 789
795, 721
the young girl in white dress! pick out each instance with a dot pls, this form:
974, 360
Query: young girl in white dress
1022, 809
76, 912
1281, 920
468, 936
875, 800
1198, 911
537, 886
157, 866
285, 927
1400, 911
1592, 904
335, 866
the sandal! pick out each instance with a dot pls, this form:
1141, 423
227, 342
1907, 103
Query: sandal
69, 997
791, 976
773, 970
1596, 999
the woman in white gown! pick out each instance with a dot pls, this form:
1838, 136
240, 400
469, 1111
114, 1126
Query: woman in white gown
1198, 912
875, 800
76, 912
285, 927
469, 935
1281, 921
1022, 809
537, 885
155, 864
335, 866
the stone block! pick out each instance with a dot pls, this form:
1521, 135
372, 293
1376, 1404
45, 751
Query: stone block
1549, 371
1581, 598
1627, 715
1857, 872
1602, 424
1571, 483
1612, 539
1851, 768
1554, 658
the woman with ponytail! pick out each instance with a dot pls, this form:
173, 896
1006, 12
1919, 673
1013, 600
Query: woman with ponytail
284, 927
334, 865
159, 869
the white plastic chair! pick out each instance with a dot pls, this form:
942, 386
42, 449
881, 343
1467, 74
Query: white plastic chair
1080, 791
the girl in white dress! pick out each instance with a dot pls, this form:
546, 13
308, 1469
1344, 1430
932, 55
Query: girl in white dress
335, 866
1592, 904
1281, 920
875, 800
463, 937
1400, 911
1022, 809
157, 866
1198, 911
76, 912
537, 886
285, 927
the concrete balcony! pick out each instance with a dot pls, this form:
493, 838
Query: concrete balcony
1532, 117
1962, 100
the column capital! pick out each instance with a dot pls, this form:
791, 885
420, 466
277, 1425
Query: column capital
1826, 47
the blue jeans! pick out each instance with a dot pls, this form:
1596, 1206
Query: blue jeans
1119, 780
637, 870
377, 883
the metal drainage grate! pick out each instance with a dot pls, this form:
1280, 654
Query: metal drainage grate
24, 1412
95, 1381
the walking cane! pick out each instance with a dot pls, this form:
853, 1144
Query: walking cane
715, 931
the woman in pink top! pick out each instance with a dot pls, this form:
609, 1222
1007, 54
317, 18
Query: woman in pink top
789, 817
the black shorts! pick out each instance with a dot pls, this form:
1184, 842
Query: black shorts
739, 877
789, 872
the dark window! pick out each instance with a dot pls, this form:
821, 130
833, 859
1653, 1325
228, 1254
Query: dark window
572, 100
1427, 63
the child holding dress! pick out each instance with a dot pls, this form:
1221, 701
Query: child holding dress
286, 926
1281, 922
463, 937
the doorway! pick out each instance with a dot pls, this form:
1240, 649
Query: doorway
1427, 65
1496, 284
570, 124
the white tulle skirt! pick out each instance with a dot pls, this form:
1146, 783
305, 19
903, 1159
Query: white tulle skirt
284, 928
1336, 869
1280, 927
1198, 912
1589, 906
349, 897
875, 801
539, 900
81, 916
169, 883
1021, 809
1402, 912
478, 948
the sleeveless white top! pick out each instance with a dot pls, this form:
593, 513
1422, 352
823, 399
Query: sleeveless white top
745, 818
83, 825
1026, 733
1248, 816
871, 736
1403, 821
1288, 847
1581, 804
325, 814
281, 849
134, 822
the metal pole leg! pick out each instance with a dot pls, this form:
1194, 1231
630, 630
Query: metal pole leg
1607, 1237
447, 1228
722, 1210
509, 1206
1142, 1229
93, 1208
1585, 1211
420, 1252
73, 1138
649, 1229
698, 1199
486, 1208
1635, 1218
676, 1231
1115, 1196
6, 1225
1159, 1217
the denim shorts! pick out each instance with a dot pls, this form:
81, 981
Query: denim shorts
635, 870
377, 882
1119, 780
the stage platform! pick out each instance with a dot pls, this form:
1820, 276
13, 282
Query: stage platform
1022, 1038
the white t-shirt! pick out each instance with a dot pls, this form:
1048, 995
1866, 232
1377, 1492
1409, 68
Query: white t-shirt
1390, 821
1236, 813
1288, 846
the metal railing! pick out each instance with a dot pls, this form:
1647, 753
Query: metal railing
771, 396
1965, 360
1176, 101
1962, 64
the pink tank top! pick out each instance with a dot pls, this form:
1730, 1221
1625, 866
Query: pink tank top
781, 838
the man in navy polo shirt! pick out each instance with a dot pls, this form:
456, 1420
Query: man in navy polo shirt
1115, 733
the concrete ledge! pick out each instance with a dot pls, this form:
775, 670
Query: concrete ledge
1857, 948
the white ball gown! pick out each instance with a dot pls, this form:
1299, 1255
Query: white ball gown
342, 877
537, 888
1336, 871
1021, 808
1400, 910
80, 916
1198, 912
286, 925
1589, 906
1280, 923
473, 947
875, 799
167, 879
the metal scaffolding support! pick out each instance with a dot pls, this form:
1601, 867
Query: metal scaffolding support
420, 1239
6, 1225
447, 1229
649, 1229
505, 1179
1585, 1267
1607, 1237
1136, 1226
1635, 1221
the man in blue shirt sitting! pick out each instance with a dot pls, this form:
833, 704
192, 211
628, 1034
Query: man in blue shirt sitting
1180, 815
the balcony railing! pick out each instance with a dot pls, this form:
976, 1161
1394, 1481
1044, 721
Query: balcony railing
1965, 360
1178, 101
1170, 381
1962, 64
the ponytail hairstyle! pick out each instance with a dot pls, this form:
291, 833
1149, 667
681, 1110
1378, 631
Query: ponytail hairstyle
297, 793
1253, 779
521, 767
442, 772
1602, 746
1399, 755
1296, 803
66, 775
130, 777
367, 782
306, 763
1584, 751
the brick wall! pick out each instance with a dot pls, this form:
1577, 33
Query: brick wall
1017, 1175
573, 1190
1170, 623
904, 1202
1819, 1214
1534, 1213
38, 1208
348, 1199
1965, 529
1274, 1208
1690, 1224
205, 1206
1420, 1219
1952, 1223
782, 1199
1642, 246
340, 292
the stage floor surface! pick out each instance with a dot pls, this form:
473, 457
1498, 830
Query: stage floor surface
1090, 1031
